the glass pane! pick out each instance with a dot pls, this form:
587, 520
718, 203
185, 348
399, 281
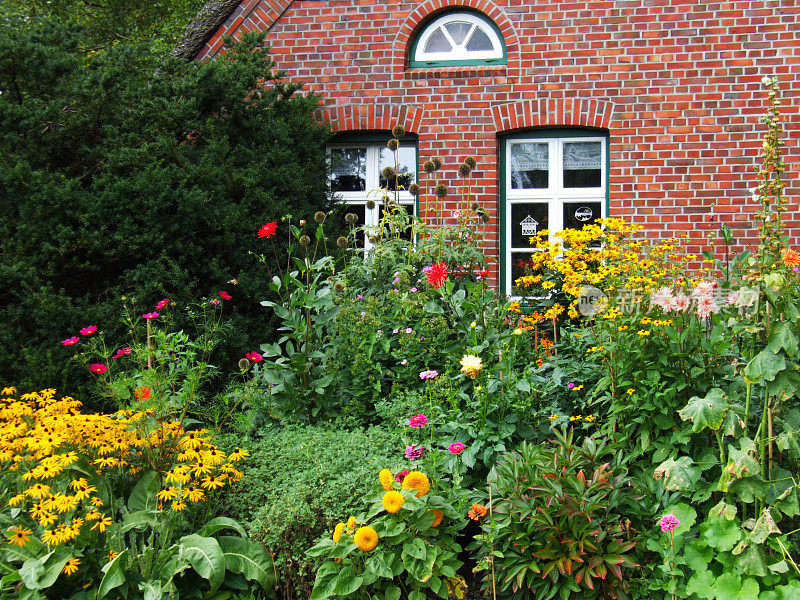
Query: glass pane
520, 265
479, 42
404, 222
458, 30
348, 169
527, 219
407, 166
437, 43
530, 163
583, 164
579, 214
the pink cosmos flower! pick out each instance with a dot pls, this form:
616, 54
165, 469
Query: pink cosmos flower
254, 356
151, 315
122, 352
429, 374
214, 302
400, 476
89, 330
224, 295
98, 368
668, 522
414, 453
456, 447
418, 420
162, 304
71, 341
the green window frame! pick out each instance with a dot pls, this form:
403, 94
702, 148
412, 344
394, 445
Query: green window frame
480, 26
558, 198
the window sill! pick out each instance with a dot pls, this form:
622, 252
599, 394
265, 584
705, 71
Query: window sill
457, 71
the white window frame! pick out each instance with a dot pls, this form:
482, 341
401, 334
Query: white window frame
555, 195
373, 170
459, 52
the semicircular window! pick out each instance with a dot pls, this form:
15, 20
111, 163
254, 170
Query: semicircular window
458, 38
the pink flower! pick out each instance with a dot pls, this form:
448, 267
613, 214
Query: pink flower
404, 361
122, 352
162, 304
254, 356
71, 341
89, 330
680, 303
570, 385
148, 316
98, 368
429, 375
224, 295
414, 453
704, 289
706, 306
214, 302
668, 522
417, 420
456, 447
661, 298
400, 476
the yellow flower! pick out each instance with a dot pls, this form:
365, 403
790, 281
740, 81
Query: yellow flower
630, 391
393, 501
643, 332
351, 523
110, 556
193, 494
237, 455
71, 566
17, 499
553, 417
366, 538
518, 331
9, 391
338, 531
387, 479
575, 418
416, 480
471, 365
102, 524
50, 537
170, 493
212, 483
577, 388
19, 535
590, 418
178, 505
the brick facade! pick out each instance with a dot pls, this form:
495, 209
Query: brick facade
675, 82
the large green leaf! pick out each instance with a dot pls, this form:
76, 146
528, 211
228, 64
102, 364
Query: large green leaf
701, 584
114, 575
764, 365
347, 582
741, 461
706, 412
378, 565
248, 558
143, 496
721, 534
206, 557
219, 523
41, 573
789, 437
729, 586
783, 337
678, 474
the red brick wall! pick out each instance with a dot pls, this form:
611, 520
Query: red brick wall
676, 83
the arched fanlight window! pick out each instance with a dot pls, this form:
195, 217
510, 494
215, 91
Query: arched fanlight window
458, 38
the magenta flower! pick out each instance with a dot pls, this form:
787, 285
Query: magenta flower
668, 522
570, 385
429, 374
417, 420
224, 295
162, 304
148, 316
122, 352
89, 330
400, 476
456, 447
414, 453
254, 356
404, 361
98, 368
71, 341
214, 302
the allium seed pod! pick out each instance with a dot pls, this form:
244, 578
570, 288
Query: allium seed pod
470, 160
392, 145
441, 191
437, 163
351, 218
373, 239
244, 364
485, 217
398, 131
429, 166
341, 241
304, 240
319, 217
475, 206
413, 189
338, 287
388, 173
464, 170
370, 204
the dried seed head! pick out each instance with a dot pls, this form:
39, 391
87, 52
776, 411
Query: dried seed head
388, 173
475, 206
338, 287
437, 163
429, 166
372, 239
470, 160
244, 364
464, 170
392, 145
485, 217
319, 217
413, 189
398, 131
441, 191
304, 240
351, 218
341, 241
370, 204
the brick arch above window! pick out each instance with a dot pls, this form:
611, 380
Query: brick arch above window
563, 112
367, 116
410, 27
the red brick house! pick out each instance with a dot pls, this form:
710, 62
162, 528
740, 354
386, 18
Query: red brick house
643, 109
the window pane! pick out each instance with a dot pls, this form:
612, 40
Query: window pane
527, 219
407, 166
520, 265
530, 164
583, 164
579, 214
479, 42
348, 169
437, 43
458, 30
399, 220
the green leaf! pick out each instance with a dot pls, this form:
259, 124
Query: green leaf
722, 509
321, 547
789, 438
433, 308
347, 582
41, 573
721, 534
678, 474
416, 595
706, 412
752, 562
248, 558
729, 586
143, 496
764, 527
741, 461
764, 365
392, 593
325, 581
391, 529
697, 555
686, 517
378, 565
114, 575
415, 548
220, 523
701, 583
783, 337
206, 557
748, 489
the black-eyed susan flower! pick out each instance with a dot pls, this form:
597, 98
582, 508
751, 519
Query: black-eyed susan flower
72, 566
168, 494
102, 523
19, 536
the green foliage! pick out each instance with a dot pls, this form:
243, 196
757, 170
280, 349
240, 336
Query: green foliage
128, 170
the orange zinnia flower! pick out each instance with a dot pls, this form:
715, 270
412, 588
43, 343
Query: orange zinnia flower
477, 511
791, 258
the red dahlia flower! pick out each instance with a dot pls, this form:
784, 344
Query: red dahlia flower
267, 230
437, 274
